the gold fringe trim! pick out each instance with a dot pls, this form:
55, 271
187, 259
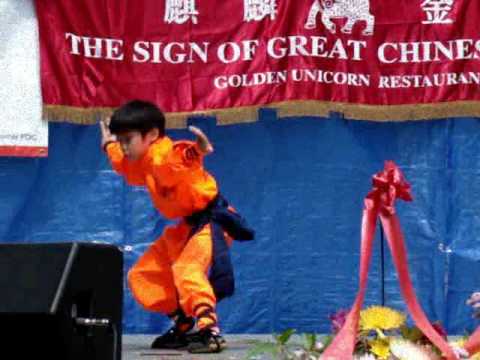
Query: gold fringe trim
247, 114
88, 116
77, 115
380, 112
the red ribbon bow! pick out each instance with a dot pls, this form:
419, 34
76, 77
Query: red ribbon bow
388, 185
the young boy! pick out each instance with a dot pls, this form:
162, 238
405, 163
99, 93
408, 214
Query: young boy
187, 269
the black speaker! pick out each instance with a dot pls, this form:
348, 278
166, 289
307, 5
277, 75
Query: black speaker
61, 301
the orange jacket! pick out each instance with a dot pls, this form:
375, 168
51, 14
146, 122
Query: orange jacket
173, 174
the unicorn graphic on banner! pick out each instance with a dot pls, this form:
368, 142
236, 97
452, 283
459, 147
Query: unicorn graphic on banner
353, 10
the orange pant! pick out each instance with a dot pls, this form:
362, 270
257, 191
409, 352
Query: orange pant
173, 272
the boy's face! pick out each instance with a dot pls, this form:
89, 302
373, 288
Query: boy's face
134, 144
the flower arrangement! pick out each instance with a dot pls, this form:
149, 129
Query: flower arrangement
382, 335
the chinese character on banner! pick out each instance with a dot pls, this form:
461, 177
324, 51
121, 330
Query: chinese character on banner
180, 11
437, 11
257, 10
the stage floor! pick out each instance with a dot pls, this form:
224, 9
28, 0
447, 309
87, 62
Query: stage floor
137, 347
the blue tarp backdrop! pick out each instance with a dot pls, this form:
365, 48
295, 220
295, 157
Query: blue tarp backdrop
301, 183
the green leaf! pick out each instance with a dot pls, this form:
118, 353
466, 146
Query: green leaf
413, 334
309, 341
263, 348
327, 340
285, 336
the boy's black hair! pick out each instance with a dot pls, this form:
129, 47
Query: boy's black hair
137, 115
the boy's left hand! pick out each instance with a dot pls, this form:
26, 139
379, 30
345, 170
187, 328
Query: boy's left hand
107, 136
202, 141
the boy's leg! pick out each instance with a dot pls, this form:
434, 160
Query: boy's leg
151, 279
196, 296
190, 274
152, 285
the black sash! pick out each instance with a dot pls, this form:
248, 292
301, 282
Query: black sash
221, 220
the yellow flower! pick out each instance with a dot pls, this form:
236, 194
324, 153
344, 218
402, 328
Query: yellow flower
380, 347
381, 318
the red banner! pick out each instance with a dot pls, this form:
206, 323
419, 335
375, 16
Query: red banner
371, 59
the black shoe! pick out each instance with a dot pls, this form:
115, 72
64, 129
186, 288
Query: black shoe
175, 338
206, 341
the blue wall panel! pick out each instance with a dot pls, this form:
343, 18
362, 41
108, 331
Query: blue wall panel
301, 183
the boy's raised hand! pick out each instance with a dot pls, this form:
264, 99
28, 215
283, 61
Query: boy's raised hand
107, 136
202, 141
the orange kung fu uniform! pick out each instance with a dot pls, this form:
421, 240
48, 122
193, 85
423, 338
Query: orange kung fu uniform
174, 270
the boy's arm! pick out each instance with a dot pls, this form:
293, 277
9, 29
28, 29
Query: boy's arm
107, 136
185, 158
203, 143
191, 153
117, 159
